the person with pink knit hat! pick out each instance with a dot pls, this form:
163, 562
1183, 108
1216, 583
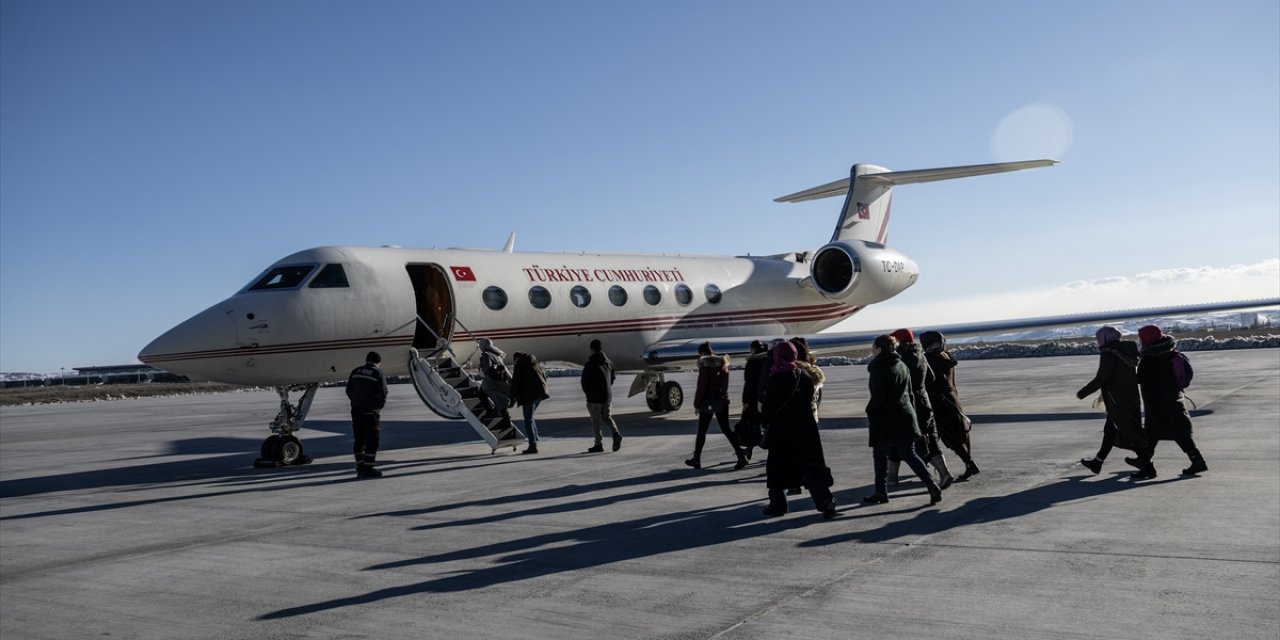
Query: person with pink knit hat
1166, 416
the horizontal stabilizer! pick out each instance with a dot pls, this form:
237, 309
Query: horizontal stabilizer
889, 179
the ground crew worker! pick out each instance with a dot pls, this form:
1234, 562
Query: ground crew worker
367, 389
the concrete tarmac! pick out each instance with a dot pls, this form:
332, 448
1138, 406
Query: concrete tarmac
144, 519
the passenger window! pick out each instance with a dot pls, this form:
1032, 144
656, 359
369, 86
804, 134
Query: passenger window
713, 294
495, 298
539, 297
332, 276
617, 295
580, 296
283, 278
652, 295
684, 295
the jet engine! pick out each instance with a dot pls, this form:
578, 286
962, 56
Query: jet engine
857, 272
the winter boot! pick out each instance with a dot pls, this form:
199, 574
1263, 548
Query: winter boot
1197, 466
742, 461
694, 462
1093, 464
944, 476
970, 470
533, 448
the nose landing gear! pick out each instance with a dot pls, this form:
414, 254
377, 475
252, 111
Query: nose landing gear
282, 448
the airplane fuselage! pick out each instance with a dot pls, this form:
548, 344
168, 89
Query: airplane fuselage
305, 320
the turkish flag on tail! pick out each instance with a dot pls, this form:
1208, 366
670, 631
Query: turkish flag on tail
462, 274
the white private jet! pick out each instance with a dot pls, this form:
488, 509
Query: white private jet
312, 316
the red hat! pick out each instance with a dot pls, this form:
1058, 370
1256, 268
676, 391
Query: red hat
1149, 335
904, 336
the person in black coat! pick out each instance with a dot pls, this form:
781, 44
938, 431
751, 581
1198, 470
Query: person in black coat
711, 399
953, 424
529, 389
891, 418
795, 448
1117, 378
921, 376
597, 384
367, 390
1166, 415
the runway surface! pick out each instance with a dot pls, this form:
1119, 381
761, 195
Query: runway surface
144, 519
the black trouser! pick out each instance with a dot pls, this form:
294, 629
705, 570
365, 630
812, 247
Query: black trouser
704, 422
365, 426
1108, 439
1186, 443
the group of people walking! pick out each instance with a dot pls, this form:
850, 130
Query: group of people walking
1136, 375
913, 409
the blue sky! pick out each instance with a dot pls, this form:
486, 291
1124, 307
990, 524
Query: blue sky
154, 156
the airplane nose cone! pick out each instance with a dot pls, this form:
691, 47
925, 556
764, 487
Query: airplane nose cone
194, 347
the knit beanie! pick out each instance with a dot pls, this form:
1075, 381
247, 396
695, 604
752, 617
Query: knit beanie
1149, 335
904, 336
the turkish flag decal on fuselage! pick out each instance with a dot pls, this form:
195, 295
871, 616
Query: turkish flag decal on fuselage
463, 274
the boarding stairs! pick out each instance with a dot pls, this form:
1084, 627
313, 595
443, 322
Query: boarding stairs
452, 392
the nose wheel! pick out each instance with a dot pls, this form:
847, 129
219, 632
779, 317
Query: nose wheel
282, 448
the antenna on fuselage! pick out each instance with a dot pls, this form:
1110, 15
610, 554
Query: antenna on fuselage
511, 243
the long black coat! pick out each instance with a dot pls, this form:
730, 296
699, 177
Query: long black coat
794, 443
891, 412
921, 376
1118, 380
945, 400
1166, 415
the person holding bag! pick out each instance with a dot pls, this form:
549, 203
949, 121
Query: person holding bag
712, 399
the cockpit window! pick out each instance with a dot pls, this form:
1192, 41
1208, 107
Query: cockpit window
283, 278
332, 276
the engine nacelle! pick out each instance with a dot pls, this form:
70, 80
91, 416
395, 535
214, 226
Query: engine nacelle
857, 272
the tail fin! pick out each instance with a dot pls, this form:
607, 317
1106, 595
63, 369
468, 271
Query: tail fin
865, 215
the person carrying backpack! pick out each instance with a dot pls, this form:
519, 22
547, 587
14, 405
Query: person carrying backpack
1166, 415
1117, 379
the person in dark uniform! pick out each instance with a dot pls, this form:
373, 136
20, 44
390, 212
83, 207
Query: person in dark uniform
891, 419
597, 384
1117, 378
367, 389
1166, 415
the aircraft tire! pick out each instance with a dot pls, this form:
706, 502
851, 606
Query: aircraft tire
287, 450
267, 452
654, 404
671, 395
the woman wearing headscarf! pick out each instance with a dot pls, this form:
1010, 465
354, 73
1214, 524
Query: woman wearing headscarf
1166, 416
1117, 379
495, 380
795, 448
891, 416
921, 377
953, 425
711, 398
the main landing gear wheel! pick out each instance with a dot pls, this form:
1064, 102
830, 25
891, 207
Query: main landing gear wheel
654, 404
670, 396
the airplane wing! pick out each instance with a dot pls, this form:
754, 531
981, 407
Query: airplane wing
676, 354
